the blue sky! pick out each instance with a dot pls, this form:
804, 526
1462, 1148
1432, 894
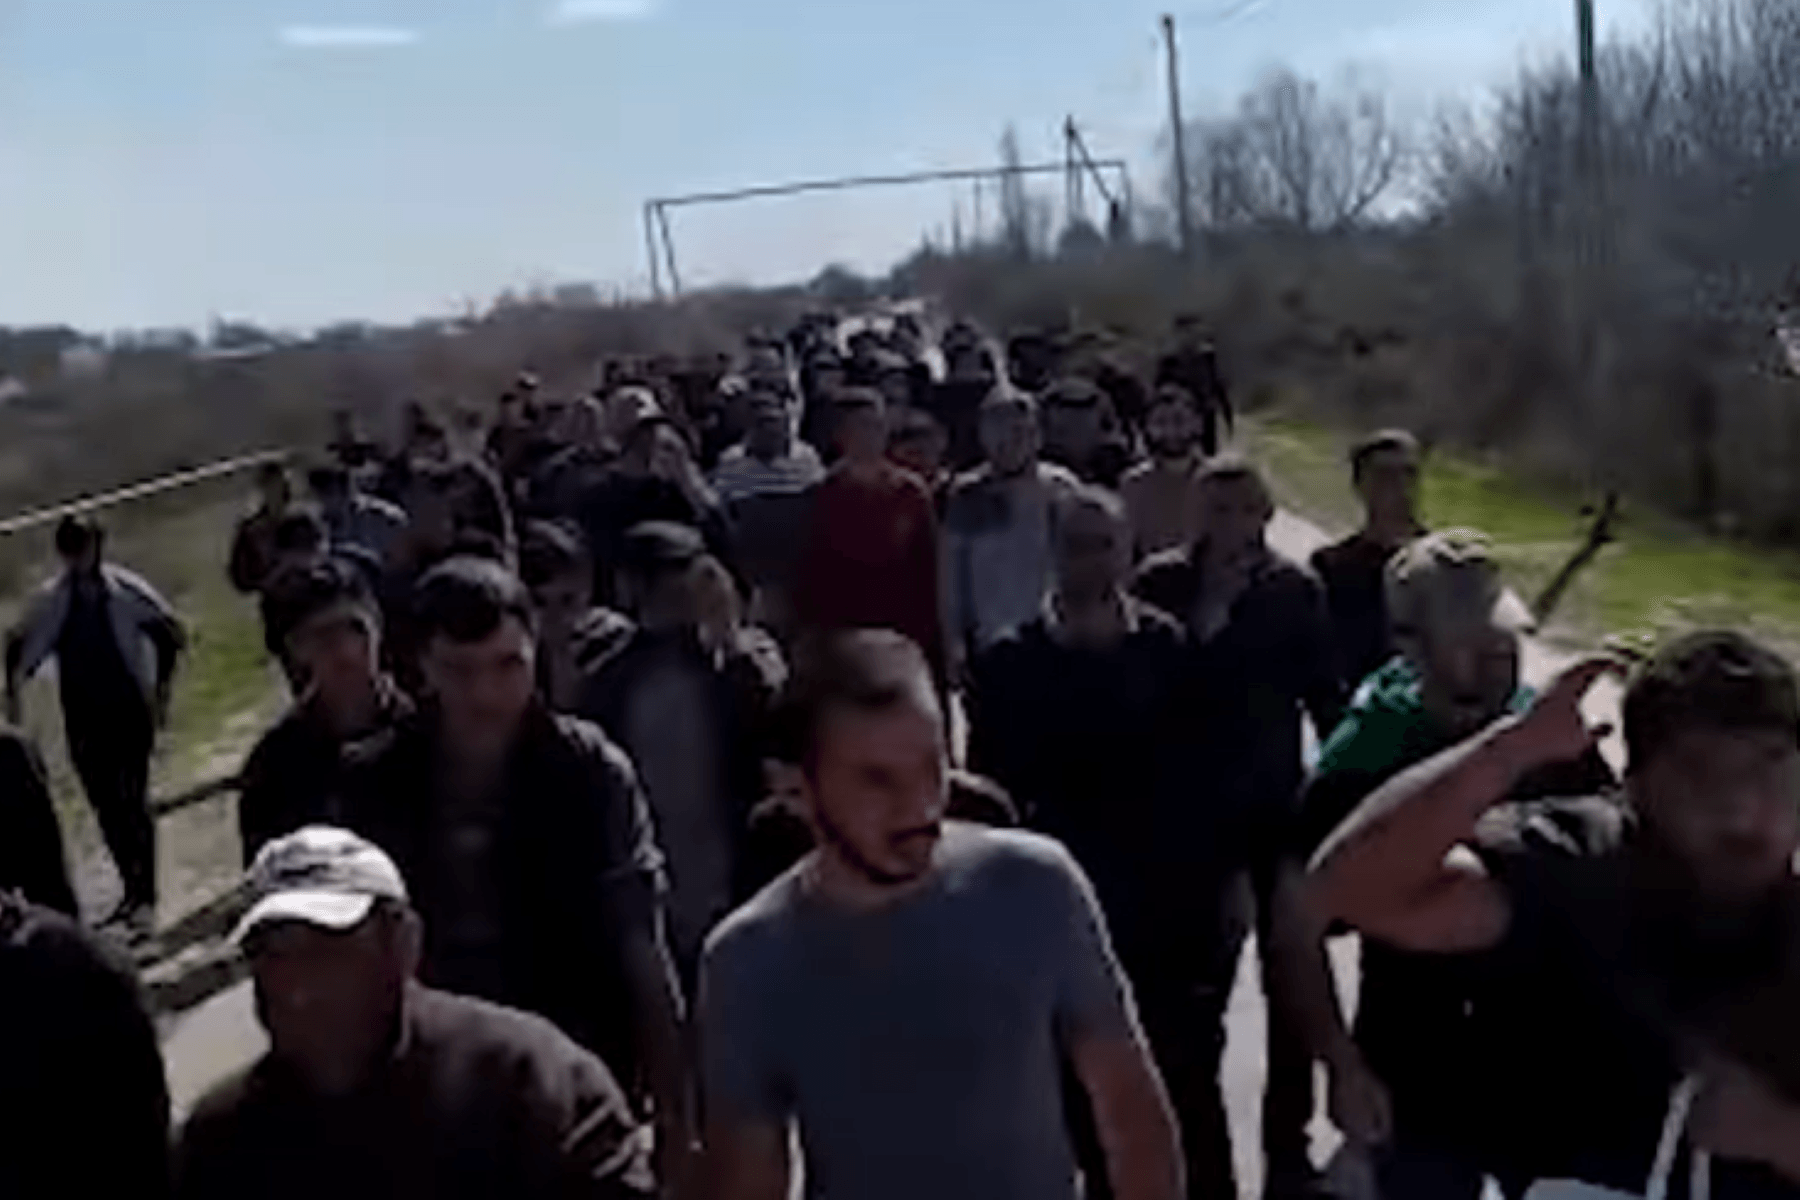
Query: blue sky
300, 161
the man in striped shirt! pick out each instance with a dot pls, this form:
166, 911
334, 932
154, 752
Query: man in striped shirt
770, 460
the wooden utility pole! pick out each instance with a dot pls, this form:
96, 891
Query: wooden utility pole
1184, 209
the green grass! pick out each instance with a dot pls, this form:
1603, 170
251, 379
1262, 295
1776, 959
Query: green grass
1658, 578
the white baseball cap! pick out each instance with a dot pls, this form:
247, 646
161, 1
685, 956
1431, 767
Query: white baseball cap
319, 876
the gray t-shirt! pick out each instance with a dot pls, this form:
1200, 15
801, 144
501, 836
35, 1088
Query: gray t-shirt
916, 1046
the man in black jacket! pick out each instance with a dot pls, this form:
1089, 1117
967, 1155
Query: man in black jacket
1194, 366
528, 844
1079, 714
375, 1087
325, 619
1260, 662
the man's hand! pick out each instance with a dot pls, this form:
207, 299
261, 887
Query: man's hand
1554, 730
1358, 1103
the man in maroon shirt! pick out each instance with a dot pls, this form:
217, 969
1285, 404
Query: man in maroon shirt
871, 558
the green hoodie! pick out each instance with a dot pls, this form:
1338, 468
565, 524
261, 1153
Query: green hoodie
1385, 730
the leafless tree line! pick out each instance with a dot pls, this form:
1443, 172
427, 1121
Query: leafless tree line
1296, 155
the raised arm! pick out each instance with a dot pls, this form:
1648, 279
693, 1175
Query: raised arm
1396, 869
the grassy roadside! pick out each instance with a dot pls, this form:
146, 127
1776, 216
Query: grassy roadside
225, 691
1658, 578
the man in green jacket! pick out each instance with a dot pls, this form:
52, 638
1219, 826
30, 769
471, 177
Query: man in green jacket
1408, 1084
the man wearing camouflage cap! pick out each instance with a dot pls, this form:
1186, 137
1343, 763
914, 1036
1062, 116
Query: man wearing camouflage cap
1399, 1087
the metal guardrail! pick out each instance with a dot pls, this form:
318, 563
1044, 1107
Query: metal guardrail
195, 795
38, 518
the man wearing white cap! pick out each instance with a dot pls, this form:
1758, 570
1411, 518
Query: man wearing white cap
375, 1086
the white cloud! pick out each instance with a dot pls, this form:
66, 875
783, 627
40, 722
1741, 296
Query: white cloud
576, 12
347, 37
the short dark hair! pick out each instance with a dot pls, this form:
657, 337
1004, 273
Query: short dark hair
273, 471
1074, 392
654, 550
857, 399
76, 535
550, 550
465, 599
1233, 468
1086, 496
296, 594
1718, 679
300, 528
1380, 443
866, 670
913, 425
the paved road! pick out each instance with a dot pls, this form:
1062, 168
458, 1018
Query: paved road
222, 1035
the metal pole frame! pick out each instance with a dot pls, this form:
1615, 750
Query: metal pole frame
656, 210
656, 284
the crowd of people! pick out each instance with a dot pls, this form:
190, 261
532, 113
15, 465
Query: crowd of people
861, 765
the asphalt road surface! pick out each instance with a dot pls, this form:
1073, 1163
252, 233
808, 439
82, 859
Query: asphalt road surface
221, 1036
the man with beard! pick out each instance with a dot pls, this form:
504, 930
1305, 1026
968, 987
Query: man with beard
997, 562
1194, 366
1162, 496
907, 992
1385, 469
770, 461
1635, 941
871, 557
1079, 715
530, 848
1259, 663
1400, 1088
1081, 432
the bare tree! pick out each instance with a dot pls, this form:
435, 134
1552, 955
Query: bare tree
1016, 217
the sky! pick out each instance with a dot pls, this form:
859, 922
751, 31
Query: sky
298, 162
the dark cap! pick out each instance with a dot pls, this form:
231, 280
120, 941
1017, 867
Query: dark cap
657, 546
1718, 680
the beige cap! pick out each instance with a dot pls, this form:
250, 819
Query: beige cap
1451, 577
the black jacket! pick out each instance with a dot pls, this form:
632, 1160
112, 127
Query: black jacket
477, 1102
579, 866
301, 773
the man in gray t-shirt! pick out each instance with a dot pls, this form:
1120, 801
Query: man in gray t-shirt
906, 993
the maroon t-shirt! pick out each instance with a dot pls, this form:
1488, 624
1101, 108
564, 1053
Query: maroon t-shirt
871, 559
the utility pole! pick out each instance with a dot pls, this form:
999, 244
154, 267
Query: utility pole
1184, 209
